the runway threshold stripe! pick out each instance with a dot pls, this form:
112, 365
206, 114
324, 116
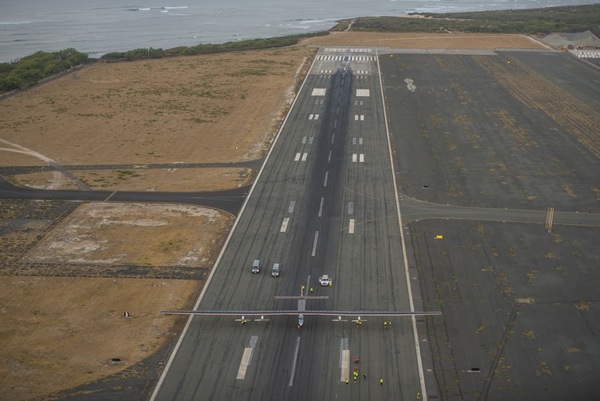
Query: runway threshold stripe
362, 158
304, 156
284, 225
297, 156
294, 362
316, 240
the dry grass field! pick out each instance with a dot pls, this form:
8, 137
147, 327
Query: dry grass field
61, 332
427, 40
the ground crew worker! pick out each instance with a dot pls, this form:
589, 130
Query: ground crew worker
311, 290
356, 360
418, 395
385, 324
346, 380
365, 375
381, 381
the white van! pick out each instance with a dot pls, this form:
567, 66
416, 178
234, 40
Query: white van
256, 266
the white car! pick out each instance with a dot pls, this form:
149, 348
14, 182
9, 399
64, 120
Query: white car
325, 281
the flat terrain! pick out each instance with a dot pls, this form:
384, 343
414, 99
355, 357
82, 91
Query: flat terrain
59, 258
514, 130
426, 40
476, 131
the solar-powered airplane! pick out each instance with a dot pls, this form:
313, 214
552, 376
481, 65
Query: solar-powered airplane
301, 311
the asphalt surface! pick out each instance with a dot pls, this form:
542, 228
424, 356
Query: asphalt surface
229, 200
477, 168
322, 173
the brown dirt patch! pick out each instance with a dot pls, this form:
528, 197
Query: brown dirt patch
426, 40
140, 179
57, 333
135, 234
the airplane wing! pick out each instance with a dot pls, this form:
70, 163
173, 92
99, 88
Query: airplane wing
303, 312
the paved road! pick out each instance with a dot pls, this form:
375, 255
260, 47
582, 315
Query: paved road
229, 200
324, 203
414, 209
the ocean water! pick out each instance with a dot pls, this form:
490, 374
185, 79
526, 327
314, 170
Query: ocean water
97, 27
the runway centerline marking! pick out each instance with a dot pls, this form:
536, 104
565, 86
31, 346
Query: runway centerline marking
332, 137
292, 205
329, 157
246, 358
325, 180
315, 242
321, 207
294, 362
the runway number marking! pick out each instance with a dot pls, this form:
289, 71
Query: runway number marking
246, 358
297, 156
284, 225
304, 156
361, 158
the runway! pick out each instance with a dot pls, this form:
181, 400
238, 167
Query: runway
324, 203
